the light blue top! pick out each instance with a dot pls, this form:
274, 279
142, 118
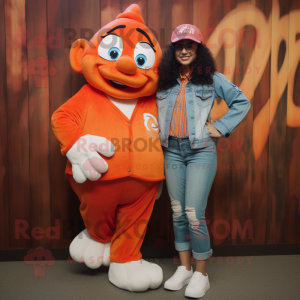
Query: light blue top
199, 101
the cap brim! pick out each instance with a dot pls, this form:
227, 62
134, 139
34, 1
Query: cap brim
185, 38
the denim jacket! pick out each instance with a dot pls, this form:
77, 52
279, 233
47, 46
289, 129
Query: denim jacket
199, 101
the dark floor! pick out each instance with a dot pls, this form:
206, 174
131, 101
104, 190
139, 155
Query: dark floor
259, 277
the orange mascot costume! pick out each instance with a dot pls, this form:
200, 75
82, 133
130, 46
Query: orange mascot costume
115, 115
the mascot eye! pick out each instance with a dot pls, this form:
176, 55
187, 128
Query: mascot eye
110, 47
114, 53
144, 55
140, 60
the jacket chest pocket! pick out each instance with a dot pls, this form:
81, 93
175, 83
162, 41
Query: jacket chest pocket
204, 98
161, 99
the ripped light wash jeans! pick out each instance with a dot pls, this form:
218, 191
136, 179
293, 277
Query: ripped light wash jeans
189, 176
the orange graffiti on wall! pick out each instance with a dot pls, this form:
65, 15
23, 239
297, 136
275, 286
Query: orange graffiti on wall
272, 32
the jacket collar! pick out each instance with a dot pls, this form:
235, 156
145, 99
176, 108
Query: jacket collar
179, 81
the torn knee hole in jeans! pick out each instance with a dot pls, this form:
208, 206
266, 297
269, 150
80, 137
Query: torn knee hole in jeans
191, 215
176, 208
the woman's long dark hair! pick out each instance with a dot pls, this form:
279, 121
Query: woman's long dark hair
203, 66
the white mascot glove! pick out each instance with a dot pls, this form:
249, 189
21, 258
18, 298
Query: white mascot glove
85, 160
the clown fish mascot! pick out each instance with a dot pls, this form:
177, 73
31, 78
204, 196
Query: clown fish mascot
115, 116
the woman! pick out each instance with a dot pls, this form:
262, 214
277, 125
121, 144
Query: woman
188, 85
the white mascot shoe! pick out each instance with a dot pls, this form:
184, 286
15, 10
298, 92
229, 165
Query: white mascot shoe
135, 276
84, 249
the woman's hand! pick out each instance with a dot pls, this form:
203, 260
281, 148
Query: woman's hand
214, 132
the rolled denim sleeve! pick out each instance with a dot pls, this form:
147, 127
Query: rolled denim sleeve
237, 102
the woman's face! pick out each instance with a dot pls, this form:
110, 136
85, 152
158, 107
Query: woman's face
185, 57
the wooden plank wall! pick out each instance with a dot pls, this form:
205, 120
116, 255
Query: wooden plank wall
4, 191
253, 42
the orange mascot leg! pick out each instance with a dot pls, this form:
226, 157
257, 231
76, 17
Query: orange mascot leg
117, 211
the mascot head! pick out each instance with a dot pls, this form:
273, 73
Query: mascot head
121, 59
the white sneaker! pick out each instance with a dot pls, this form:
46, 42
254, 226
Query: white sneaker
197, 286
180, 278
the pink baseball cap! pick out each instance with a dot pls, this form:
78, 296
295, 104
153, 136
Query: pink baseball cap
186, 31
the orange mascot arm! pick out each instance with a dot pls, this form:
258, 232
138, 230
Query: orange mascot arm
68, 120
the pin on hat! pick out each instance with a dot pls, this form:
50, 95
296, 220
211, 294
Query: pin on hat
186, 31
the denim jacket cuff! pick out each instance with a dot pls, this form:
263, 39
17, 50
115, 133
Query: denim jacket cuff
223, 129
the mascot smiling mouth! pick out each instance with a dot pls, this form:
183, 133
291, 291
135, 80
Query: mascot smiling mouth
118, 85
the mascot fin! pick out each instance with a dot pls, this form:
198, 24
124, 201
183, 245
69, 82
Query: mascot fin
132, 12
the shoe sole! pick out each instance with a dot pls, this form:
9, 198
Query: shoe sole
198, 296
179, 287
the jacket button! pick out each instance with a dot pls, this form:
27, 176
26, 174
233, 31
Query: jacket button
129, 142
128, 124
128, 170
